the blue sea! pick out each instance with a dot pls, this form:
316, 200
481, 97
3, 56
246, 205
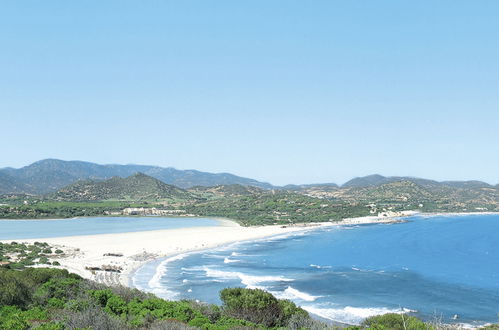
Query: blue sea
19, 229
433, 267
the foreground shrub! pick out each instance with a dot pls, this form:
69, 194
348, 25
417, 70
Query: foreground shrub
258, 306
91, 318
299, 322
394, 321
13, 290
170, 325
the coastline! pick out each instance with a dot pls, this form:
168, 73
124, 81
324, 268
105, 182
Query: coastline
454, 214
85, 255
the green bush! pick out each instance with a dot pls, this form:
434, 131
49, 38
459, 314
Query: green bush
394, 321
60, 288
116, 305
13, 290
258, 306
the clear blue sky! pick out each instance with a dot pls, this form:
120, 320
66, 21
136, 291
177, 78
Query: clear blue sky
282, 91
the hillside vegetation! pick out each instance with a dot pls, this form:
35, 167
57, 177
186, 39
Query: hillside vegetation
137, 187
256, 206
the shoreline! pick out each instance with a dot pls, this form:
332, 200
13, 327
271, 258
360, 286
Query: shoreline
85, 255
454, 214
141, 247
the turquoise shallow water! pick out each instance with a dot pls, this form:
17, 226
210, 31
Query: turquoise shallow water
433, 267
18, 229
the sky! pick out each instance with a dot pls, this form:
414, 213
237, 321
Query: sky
281, 91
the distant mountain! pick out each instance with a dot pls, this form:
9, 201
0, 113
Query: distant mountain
49, 175
9, 184
366, 181
192, 178
376, 180
137, 187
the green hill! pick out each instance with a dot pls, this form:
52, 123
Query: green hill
228, 190
138, 187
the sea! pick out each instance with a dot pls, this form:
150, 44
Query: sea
438, 268
25, 229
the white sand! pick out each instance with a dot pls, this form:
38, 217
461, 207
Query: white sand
140, 247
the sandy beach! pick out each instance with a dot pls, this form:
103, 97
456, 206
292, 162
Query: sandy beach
125, 252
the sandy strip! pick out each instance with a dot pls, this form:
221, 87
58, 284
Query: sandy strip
137, 248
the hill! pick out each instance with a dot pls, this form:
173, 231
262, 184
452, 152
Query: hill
50, 175
228, 190
365, 181
376, 180
138, 187
413, 193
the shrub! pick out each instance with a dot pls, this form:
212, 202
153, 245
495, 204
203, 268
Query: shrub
212, 312
91, 318
61, 288
13, 290
298, 322
258, 306
394, 321
102, 296
199, 321
44, 260
116, 305
170, 325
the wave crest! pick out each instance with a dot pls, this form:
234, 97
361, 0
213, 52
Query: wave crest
251, 281
353, 315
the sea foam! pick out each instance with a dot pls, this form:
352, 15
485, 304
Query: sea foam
228, 260
251, 281
292, 294
353, 315
154, 284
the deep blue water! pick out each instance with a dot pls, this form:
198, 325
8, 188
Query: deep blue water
18, 229
436, 267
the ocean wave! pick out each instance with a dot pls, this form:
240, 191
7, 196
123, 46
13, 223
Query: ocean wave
320, 267
155, 281
214, 256
292, 293
353, 315
251, 281
228, 261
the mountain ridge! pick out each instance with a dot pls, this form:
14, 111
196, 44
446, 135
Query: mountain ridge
49, 175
